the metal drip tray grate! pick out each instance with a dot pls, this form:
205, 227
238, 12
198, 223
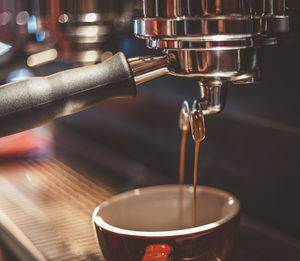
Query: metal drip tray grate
52, 206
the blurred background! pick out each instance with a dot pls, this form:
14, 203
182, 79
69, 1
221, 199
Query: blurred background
51, 178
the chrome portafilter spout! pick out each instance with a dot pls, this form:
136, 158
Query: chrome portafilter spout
217, 43
212, 95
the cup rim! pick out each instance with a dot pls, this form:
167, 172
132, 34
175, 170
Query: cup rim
170, 233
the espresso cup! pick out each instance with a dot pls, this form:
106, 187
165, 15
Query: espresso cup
157, 224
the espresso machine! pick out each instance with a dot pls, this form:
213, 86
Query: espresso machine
200, 50
217, 43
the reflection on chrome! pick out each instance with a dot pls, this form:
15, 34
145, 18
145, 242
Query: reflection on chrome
4, 48
90, 17
40, 58
230, 202
5, 18
22, 18
212, 43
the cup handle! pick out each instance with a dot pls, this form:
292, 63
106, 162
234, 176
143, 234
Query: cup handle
157, 252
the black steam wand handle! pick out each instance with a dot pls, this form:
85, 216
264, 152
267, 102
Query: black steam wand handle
33, 102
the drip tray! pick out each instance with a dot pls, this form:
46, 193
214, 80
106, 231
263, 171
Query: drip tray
51, 205
46, 209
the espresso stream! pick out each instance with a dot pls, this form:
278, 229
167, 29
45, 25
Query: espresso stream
181, 176
196, 120
182, 157
197, 144
181, 179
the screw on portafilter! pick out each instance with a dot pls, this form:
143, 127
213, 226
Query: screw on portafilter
216, 42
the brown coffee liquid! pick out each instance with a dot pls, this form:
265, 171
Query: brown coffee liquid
198, 133
182, 157
196, 120
197, 143
181, 177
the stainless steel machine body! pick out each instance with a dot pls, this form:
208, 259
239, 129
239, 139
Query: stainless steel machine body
84, 29
79, 30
